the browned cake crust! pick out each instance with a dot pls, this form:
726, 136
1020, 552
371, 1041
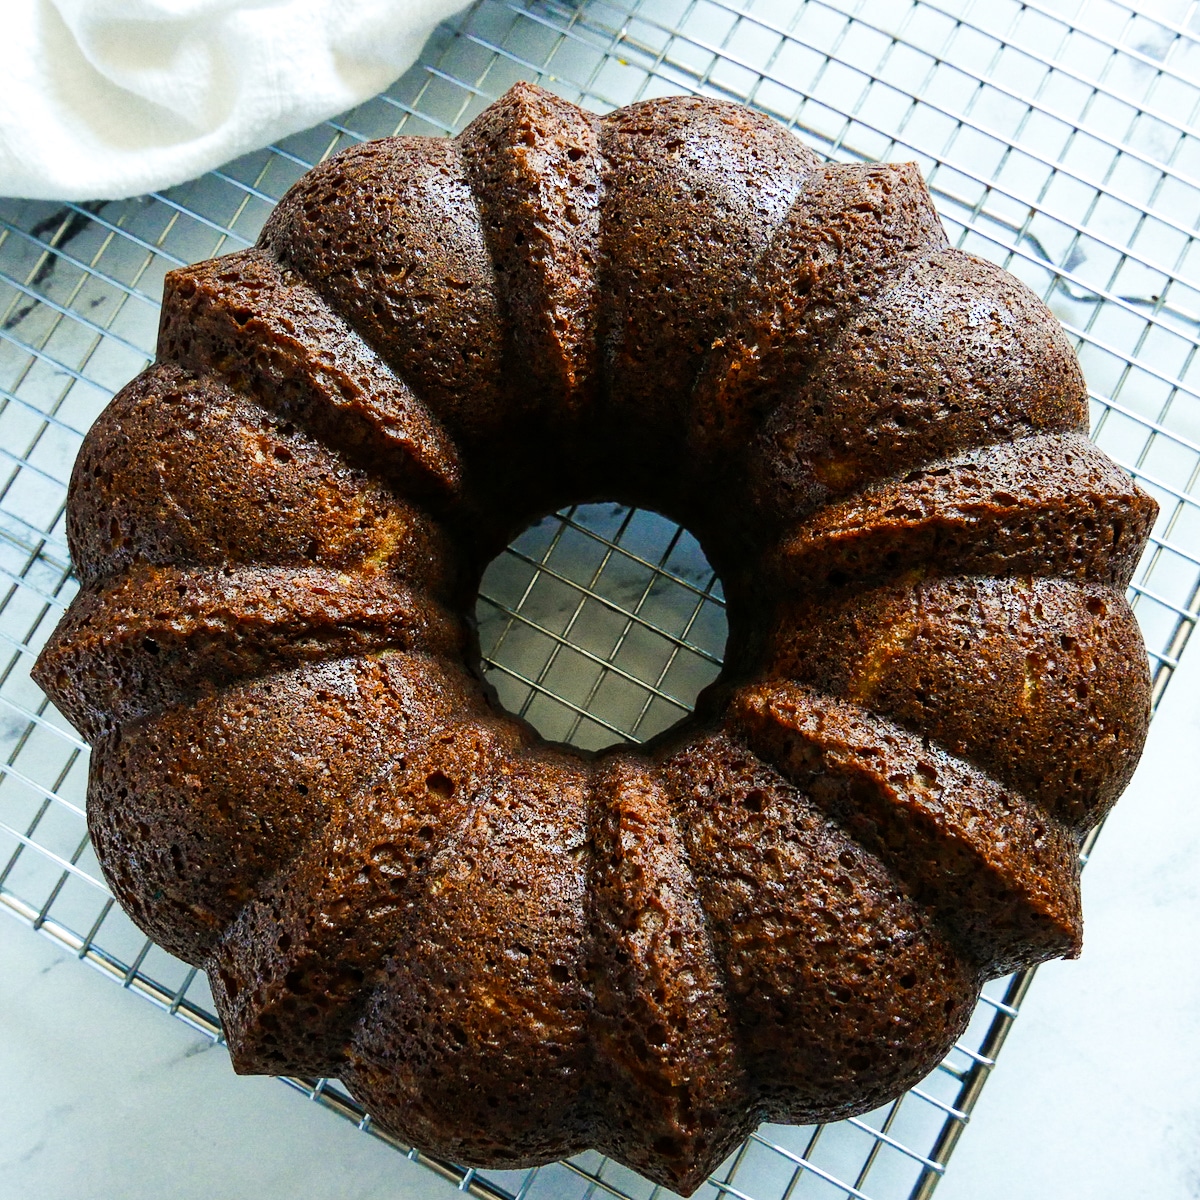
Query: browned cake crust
783, 909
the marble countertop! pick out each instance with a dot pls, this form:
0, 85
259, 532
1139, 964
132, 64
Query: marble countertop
1096, 1093
104, 1097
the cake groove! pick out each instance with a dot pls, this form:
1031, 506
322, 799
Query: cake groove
815, 938
430, 1045
277, 340
237, 796
950, 657
901, 797
362, 883
389, 234
1044, 505
157, 634
181, 470
694, 191
956, 355
851, 231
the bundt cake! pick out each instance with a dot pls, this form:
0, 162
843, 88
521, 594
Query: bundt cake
784, 908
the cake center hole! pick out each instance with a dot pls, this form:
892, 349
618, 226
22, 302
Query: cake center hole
600, 625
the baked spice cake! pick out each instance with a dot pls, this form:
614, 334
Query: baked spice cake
784, 908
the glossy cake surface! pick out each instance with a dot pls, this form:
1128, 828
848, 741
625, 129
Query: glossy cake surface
784, 908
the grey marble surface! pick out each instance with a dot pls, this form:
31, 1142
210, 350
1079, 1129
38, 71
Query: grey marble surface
1097, 1093
104, 1097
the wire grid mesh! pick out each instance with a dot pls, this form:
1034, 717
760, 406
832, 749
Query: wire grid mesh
1060, 139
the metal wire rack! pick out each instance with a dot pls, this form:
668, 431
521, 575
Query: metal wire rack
1060, 138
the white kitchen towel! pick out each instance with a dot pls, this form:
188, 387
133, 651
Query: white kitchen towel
102, 99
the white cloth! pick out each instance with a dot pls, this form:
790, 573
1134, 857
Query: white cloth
102, 99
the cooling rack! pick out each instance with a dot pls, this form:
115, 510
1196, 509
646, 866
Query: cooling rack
1060, 139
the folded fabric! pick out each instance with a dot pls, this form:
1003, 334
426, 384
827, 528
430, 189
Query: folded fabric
103, 99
